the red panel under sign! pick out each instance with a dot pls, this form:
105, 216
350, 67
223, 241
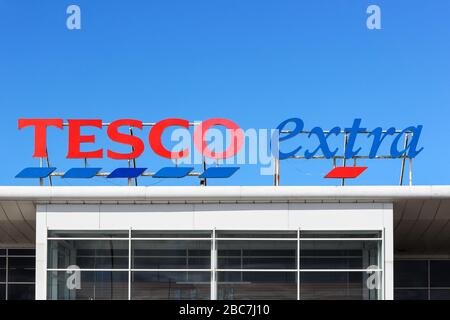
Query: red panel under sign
345, 172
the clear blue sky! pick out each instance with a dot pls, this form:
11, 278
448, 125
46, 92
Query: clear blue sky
256, 62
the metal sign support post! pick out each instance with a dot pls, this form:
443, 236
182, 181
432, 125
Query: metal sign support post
41, 180
402, 170
344, 160
134, 159
276, 175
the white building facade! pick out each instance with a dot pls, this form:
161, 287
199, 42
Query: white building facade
228, 242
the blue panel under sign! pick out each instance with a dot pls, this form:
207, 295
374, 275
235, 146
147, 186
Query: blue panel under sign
219, 172
81, 173
126, 173
35, 172
173, 172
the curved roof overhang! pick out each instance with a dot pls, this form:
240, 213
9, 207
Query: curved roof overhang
421, 213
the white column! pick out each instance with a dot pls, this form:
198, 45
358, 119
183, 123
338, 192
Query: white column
298, 264
213, 266
129, 264
41, 252
388, 251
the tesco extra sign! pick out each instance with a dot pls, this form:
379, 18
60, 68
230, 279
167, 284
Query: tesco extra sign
296, 127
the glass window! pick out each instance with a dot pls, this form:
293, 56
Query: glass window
2, 252
20, 291
440, 294
171, 254
2, 292
324, 254
237, 254
177, 265
171, 234
411, 294
91, 285
21, 269
440, 273
256, 234
246, 285
339, 285
340, 234
88, 254
411, 274
21, 252
165, 285
88, 234
2, 269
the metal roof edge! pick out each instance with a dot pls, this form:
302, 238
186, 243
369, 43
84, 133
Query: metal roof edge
151, 193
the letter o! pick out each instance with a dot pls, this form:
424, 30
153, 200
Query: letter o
237, 138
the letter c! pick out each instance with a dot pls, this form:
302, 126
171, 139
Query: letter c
155, 138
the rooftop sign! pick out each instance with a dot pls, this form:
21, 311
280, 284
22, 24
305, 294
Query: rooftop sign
288, 130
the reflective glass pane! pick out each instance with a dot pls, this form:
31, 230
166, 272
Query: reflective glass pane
88, 254
2, 269
410, 274
440, 273
21, 292
339, 285
440, 294
87, 285
170, 234
256, 234
410, 294
2, 292
340, 234
21, 252
2, 252
247, 285
21, 269
171, 254
150, 285
270, 254
324, 254
88, 234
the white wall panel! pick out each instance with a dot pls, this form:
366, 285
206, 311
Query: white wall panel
73, 217
41, 252
329, 216
147, 217
276, 216
242, 216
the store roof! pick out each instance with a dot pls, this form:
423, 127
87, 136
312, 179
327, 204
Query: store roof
421, 213
224, 193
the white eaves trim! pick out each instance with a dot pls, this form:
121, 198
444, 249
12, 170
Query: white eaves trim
223, 193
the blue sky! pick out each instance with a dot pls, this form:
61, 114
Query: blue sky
255, 62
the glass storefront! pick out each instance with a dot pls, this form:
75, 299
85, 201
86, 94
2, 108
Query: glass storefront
421, 279
143, 265
17, 274
170, 285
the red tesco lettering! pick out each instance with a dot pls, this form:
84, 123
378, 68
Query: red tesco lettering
76, 139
